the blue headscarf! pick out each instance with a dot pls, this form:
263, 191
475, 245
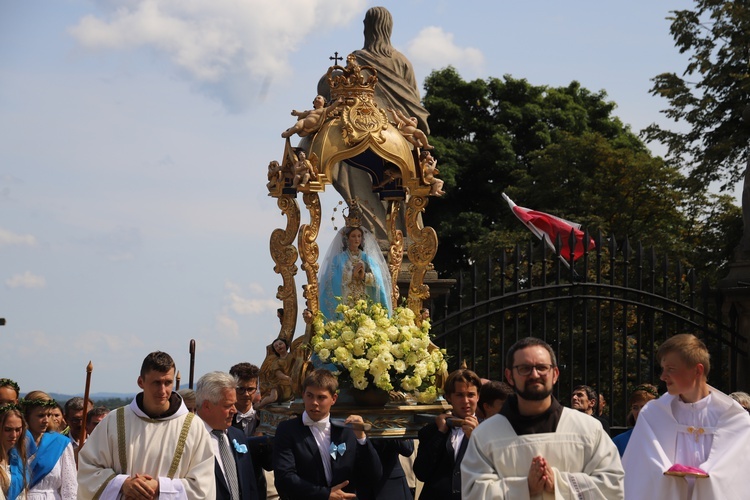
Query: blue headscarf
17, 471
46, 455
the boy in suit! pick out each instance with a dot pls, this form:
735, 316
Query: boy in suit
442, 446
233, 469
317, 461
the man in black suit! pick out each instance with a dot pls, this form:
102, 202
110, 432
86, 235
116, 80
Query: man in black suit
315, 460
442, 444
233, 470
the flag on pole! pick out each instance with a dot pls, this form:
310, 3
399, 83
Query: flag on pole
547, 227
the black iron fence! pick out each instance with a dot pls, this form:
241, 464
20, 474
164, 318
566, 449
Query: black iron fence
605, 315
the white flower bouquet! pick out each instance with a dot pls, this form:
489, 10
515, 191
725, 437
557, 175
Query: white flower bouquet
368, 347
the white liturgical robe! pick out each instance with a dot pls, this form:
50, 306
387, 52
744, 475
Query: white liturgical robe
719, 433
582, 456
150, 447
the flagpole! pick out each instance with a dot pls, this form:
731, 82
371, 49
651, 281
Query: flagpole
192, 362
82, 435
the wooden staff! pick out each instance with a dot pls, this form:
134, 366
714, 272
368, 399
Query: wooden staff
82, 436
192, 362
177, 384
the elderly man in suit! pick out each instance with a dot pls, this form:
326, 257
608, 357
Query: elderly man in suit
315, 460
215, 398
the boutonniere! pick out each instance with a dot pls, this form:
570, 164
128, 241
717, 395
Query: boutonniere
337, 448
239, 448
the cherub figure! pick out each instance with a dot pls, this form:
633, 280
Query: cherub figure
275, 174
304, 171
275, 374
429, 171
389, 175
311, 120
408, 128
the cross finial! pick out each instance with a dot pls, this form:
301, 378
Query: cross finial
336, 58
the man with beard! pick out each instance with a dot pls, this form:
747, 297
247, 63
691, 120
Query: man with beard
536, 448
442, 444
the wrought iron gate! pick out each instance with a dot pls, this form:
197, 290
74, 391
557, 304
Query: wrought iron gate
604, 315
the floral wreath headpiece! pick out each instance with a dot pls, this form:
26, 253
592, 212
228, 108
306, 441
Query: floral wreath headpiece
650, 389
6, 382
10, 406
44, 403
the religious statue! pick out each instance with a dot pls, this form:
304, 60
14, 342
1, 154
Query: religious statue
397, 88
353, 269
428, 164
304, 171
275, 174
311, 120
408, 128
275, 374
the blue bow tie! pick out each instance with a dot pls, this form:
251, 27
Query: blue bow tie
341, 449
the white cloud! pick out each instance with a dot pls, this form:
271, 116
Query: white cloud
227, 327
8, 238
221, 45
434, 48
26, 280
100, 342
243, 306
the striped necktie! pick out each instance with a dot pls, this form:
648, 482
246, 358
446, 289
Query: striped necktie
230, 468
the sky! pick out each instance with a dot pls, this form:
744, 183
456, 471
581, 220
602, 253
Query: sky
135, 137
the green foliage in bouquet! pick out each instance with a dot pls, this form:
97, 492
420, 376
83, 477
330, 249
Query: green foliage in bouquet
369, 347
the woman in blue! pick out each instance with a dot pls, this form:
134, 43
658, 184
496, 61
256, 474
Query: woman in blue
13, 471
352, 271
51, 460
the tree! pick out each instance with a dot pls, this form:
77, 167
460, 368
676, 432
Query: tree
558, 150
716, 35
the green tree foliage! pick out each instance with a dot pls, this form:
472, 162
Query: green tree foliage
712, 93
562, 151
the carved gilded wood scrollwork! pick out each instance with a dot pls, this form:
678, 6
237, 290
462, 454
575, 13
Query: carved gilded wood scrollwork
421, 251
396, 250
309, 251
284, 254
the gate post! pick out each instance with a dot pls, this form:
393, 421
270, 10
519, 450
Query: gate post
735, 289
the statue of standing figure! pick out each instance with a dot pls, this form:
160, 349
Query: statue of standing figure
397, 89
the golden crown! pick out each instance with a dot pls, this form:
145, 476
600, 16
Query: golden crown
353, 217
345, 80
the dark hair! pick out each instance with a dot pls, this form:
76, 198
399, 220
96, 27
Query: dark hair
491, 391
157, 361
321, 378
523, 344
245, 371
285, 343
461, 375
350, 230
590, 393
75, 404
99, 411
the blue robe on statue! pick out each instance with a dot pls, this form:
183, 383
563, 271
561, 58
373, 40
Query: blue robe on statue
338, 283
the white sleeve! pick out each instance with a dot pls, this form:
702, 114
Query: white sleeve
69, 473
480, 479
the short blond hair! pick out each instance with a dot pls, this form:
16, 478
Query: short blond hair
689, 348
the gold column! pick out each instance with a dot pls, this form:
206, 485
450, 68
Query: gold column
309, 251
396, 250
284, 254
421, 251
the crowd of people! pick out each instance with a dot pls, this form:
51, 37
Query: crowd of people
500, 440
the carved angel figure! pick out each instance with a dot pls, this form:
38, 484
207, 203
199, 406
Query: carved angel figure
304, 170
429, 171
311, 120
408, 128
275, 174
275, 374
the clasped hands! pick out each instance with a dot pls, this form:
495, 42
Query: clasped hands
541, 477
140, 487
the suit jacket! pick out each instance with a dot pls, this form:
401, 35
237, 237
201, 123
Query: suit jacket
435, 465
298, 468
393, 485
245, 471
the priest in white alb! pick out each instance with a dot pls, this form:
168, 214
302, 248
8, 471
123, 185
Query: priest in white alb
535, 448
693, 442
151, 449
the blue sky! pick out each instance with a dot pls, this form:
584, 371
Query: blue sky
134, 140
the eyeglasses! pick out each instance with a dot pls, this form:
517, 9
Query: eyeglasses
246, 390
525, 370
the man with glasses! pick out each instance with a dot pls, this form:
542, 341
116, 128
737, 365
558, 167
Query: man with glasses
247, 420
535, 447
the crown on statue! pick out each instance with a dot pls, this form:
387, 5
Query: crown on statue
353, 217
350, 79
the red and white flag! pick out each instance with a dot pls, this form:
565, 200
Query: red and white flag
546, 227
